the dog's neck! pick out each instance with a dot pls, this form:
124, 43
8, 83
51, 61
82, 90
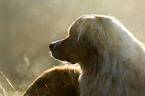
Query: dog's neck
123, 76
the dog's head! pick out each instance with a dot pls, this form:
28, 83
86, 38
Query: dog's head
92, 38
69, 49
80, 45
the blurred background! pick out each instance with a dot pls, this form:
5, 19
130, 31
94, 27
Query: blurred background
27, 27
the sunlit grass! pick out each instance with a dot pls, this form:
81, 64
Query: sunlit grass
4, 92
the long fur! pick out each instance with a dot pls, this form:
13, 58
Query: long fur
112, 60
118, 65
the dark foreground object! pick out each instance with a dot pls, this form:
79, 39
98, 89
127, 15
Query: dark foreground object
57, 81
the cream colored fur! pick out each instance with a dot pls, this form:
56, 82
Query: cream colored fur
118, 66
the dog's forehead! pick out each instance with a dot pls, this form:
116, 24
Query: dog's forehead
75, 26
87, 22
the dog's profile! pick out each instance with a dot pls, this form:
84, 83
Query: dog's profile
112, 60
57, 81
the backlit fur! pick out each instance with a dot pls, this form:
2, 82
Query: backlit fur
111, 58
57, 81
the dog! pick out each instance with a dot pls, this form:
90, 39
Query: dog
112, 60
57, 81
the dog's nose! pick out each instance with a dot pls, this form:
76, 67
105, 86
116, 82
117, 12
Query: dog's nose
51, 46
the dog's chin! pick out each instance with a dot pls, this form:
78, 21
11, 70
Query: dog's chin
71, 61
65, 59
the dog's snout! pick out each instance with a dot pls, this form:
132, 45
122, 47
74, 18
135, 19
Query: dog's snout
51, 46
